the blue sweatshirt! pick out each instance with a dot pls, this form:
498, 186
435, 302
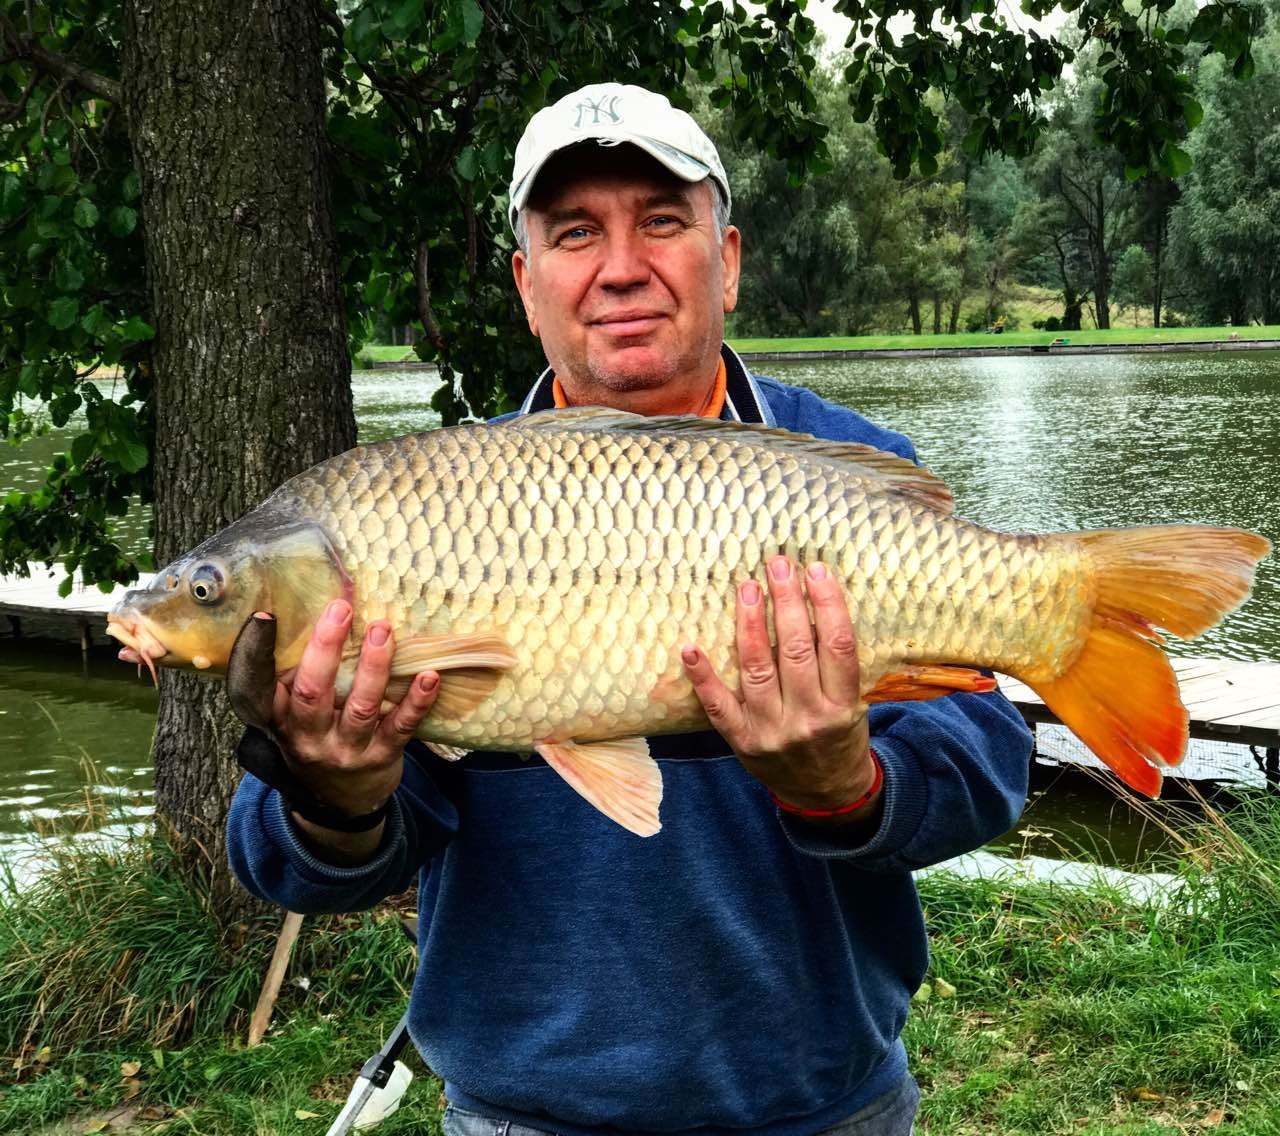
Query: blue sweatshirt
739, 972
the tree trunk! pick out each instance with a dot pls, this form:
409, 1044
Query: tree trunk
253, 379
953, 320
913, 306
1072, 309
937, 314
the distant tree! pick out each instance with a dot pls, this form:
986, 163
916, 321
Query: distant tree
1225, 229
1088, 186
1134, 279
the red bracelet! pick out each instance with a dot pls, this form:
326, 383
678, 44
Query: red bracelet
876, 782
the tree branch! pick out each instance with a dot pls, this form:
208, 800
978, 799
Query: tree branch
425, 313
51, 63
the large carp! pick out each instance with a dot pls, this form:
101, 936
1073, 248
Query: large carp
550, 568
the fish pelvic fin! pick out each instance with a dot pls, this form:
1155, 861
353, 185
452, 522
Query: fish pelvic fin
1119, 694
619, 778
922, 683
469, 665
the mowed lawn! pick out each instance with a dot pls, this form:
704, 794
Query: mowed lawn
1115, 335
385, 353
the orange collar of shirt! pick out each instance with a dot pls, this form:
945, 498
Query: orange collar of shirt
710, 409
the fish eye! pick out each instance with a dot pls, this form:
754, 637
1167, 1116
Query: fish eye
206, 584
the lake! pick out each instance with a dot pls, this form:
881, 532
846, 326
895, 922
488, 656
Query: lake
1028, 443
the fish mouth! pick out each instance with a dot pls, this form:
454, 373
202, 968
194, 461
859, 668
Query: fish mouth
140, 645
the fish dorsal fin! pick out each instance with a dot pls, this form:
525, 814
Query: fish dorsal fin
887, 472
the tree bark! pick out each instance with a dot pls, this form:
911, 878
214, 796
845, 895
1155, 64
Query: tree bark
253, 379
913, 309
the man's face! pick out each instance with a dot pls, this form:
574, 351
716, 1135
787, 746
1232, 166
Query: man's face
625, 281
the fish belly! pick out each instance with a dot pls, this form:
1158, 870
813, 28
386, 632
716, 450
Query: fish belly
597, 556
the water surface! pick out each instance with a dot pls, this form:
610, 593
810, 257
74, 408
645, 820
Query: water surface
1037, 444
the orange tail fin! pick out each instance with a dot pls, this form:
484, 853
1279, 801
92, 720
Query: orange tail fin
1120, 695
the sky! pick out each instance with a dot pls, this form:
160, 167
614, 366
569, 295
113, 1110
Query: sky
836, 27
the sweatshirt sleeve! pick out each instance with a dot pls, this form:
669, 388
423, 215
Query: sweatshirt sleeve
955, 777
270, 860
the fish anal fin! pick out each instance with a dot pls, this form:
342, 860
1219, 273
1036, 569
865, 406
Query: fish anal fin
617, 777
921, 683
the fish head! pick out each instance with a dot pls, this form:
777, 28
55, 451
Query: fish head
193, 609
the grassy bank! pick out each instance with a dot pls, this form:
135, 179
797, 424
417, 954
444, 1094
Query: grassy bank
1049, 1009
1026, 338
382, 353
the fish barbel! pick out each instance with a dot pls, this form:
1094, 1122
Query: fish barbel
550, 567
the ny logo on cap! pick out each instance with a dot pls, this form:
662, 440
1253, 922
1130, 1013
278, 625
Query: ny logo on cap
606, 106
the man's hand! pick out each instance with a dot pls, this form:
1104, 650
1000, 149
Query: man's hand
798, 722
351, 757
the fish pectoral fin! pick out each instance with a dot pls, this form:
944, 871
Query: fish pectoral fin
480, 649
919, 684
469, 666
618, 777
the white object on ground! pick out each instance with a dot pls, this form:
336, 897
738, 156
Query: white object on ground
384, 1101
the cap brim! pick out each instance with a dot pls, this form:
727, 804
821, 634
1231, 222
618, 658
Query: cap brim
679, 163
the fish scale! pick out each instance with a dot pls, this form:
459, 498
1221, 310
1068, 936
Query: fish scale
551, 567
657, 567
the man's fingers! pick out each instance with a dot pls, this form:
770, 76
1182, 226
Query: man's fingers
720, 703
363, 706
837, 641
797, 657
311, 705
757, 670
398, 726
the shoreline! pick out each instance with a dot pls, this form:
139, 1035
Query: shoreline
800, 355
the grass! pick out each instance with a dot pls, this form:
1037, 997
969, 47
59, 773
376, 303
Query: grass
1026, 338
1029, 338
1048, 1009
384, 353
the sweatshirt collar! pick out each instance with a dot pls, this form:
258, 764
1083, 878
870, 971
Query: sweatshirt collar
743, 399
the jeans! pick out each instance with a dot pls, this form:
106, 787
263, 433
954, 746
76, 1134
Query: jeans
889, 1115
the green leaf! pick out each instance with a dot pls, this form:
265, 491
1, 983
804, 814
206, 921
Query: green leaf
131, 187
66, 276
85, 213
122, 220
135, 327
96, 320
132, 456
82, 448
12, 197
1243, 67
1175, 161
407, 14
65, 585
63, 312
472, 21
467, 164
1192, 112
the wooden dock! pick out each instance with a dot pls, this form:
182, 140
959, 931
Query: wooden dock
1227, 701
36, 596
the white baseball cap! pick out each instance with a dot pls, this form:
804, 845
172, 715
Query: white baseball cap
610, 114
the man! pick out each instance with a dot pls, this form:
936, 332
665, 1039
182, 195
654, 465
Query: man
749, 968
